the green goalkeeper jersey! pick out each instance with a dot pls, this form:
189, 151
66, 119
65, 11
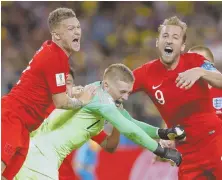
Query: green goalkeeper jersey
66, 130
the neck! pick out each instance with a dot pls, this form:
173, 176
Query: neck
173, 65
60, 45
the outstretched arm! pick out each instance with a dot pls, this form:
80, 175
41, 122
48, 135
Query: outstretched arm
136, 134
128, 128
150, 130
155, 132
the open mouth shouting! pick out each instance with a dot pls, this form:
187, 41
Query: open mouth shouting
75, 40
168, 51
76, 43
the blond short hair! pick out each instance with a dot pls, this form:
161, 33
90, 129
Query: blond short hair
177, 22
119, 72
58, 15
203, 51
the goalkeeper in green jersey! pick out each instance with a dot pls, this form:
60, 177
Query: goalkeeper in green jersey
67, 130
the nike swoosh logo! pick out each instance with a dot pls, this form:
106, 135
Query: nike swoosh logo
155, 87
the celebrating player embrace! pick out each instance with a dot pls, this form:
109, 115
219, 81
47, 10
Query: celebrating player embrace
66, 130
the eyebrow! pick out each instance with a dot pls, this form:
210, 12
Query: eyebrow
73, 24
173, 34
124, 91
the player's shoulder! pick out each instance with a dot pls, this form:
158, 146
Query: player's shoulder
190, 55
101, 96
104, 97
153, 62
150, 64
216, 91
42, 53
50, 49
193, 57
50, 55
96, 83
49, 45
100, 101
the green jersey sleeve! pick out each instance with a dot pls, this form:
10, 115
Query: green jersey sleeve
150, 130
127, 128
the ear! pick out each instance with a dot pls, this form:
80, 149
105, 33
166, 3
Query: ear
183, 47
157, 41
56, 35
106, 85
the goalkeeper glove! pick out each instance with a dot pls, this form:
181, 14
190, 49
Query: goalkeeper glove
174, 133
169, 154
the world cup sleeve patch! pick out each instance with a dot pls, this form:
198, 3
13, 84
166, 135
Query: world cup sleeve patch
60, 79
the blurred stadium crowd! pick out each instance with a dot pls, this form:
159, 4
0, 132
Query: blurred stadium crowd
111, 32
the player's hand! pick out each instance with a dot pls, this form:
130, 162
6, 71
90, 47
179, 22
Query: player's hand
77, 91
170, 154
167, 143
174, 133
159, 159
187, 78
88, 92
164, 144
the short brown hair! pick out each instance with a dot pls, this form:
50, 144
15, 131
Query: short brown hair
119, 72
204, 51
177, 22
58, 15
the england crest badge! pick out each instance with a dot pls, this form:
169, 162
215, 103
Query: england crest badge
217, 103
